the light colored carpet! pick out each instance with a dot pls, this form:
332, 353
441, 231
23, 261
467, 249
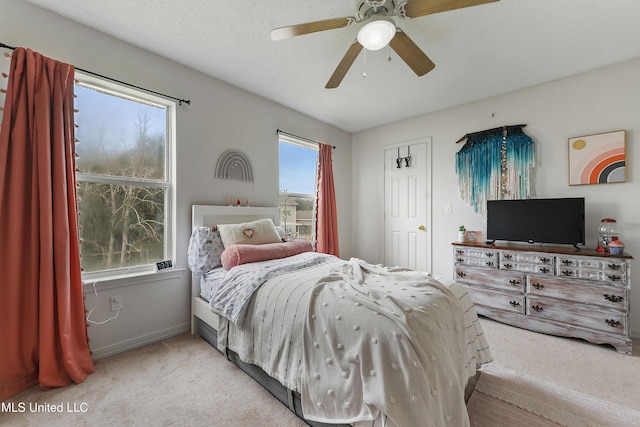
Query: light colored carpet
596, 370
505, 398
183, 381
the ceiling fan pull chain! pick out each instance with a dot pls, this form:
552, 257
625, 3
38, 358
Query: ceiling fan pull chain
389, 45
364, 63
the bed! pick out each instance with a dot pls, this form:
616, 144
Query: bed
340, 342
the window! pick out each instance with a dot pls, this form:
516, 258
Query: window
298, 170
124, 177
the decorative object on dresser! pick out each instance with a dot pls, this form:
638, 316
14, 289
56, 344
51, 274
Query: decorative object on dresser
472, 236
607, 233
554, 290
461, 231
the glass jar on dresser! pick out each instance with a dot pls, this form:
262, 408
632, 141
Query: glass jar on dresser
554, 290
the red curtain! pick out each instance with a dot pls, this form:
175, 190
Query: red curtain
43, 331
327, 214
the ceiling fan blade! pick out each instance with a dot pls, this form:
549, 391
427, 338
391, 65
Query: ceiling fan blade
416, 8
344, 65
411, 53
310, 27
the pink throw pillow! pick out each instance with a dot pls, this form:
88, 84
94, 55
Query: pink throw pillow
243, 254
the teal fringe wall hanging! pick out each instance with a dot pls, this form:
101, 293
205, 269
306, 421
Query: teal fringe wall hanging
495, 164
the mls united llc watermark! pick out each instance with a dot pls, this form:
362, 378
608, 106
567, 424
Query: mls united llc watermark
46, 407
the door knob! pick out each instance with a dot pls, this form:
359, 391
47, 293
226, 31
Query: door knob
422, 228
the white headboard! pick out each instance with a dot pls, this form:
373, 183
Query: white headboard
207, 215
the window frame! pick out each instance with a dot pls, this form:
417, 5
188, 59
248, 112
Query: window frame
168, 184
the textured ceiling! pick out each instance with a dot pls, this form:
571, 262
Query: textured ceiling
479, 51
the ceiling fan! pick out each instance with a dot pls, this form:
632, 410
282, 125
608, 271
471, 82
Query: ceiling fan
380, 31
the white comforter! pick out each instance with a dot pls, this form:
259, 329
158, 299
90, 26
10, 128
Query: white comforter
384, 340
375, 341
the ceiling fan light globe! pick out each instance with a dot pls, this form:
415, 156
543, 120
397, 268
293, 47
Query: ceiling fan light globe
377, 34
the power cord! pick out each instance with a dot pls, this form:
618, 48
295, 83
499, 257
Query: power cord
93, 322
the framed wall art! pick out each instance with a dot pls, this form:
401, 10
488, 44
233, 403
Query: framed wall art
597, 159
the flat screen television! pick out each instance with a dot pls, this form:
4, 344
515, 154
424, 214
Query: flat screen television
555, 221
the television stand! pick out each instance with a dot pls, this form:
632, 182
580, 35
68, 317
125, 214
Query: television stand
550, 289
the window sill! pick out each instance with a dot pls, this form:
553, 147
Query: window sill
132, 279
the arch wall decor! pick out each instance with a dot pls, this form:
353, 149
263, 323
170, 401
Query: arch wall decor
231, 159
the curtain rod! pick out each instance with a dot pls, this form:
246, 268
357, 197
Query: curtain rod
278, 131
180, 101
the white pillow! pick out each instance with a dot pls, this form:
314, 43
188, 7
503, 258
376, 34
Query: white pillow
249, 233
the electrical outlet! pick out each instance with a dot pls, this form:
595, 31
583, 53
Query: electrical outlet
116, 302
164, 265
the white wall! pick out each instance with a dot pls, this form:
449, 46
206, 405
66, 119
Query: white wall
599, 101
220, 117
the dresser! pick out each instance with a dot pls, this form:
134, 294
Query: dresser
554, 290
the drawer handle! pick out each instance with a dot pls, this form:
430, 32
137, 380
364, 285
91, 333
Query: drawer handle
459, 251
489, 254
614, 278
538, 286
537, 308
462, 274
545, 260
544, 270
567, 262
613, 298
567, 273
614, 266
508, 266
489, 263
508, 256
514, 303
514, 282
613, 323
460, 260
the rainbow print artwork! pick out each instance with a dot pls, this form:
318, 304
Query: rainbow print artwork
597, 159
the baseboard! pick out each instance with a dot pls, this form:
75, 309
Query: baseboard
121, 347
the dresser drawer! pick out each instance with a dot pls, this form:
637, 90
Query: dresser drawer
594, 263
579, 291
499, 300
527, 267
609, 276
476, 257
612, 321
602, 269
476, 262
507, 280
475, 252
527, 257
